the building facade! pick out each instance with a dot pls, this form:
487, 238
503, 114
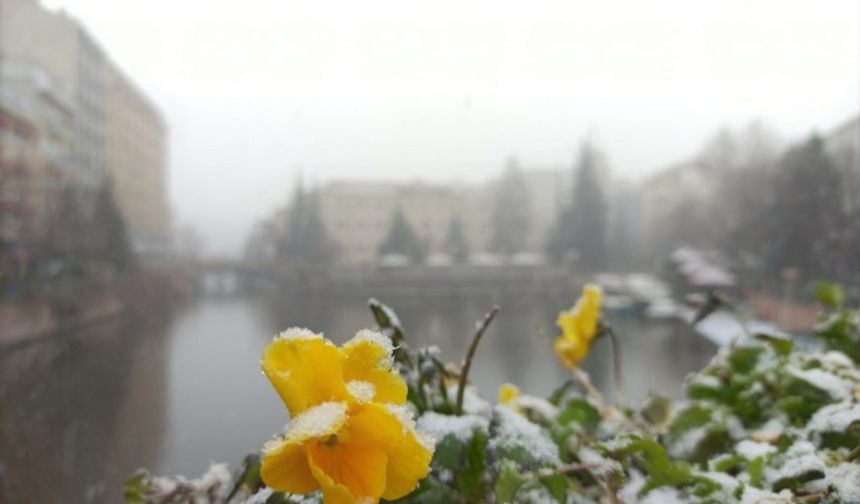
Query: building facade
116, 134
35, 151
358, 215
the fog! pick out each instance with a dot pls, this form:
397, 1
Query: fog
256, 93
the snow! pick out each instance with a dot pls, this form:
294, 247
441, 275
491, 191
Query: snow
770, 431
515, 431
751, 449
366, 335
799, 459
472, 402
406, 417
260, 497
753, 495
600, 465
688, 442
538, 405
462, 428
662, 495
836, 387
362, 391
845, 479
706, 380
834, 418
298, 333
318, 421
833, 359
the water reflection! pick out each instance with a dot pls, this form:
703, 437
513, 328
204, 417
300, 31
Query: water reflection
79, 412
82, 411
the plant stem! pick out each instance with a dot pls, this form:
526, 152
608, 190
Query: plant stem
470, 354
585, 382
620, 397
853, 454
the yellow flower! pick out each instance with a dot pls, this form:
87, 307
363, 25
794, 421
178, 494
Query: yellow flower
578, 327
508, 395
308, 370
342, 439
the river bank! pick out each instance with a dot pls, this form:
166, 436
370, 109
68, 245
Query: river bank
29, 321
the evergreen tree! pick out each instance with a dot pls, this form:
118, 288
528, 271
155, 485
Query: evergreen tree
806, 221
456, 243
305, 241
510, 219
402, 239
111, 242
581, 228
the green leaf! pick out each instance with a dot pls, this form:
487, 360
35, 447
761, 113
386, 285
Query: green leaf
701, 391
558, 394
716, 440
756, 470
278, 498
794, 482
729, 463
781, 346
135, 486
387, 320
581, 412
829, 294
657, 409
662, 471
471, 477
743, 360
449, 451
556, 485
509, 481
691, 418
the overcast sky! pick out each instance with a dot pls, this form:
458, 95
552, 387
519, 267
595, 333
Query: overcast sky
257, 91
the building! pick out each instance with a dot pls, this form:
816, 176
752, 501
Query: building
35, 151
679, 193
358, 215
117, 134
136, 161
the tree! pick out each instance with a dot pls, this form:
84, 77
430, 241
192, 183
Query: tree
806, 220
305, 241
401, 239
510, 218
581, 228
456, 243
111, 241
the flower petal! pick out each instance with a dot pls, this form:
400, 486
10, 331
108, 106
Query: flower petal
368, 359
305, 369
348, 471
570, 351
392, 429
285, 467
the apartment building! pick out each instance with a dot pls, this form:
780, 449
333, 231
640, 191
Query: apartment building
117, 135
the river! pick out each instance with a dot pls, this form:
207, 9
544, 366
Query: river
81, 411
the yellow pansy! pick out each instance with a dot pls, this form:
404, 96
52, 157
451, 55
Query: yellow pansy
348, 436
353, 454
308, 370
508, 395
578, 327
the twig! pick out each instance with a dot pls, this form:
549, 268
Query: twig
470, 354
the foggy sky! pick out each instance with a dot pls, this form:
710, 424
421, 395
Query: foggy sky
256, 92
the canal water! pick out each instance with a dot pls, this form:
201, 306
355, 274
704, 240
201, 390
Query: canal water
81, 411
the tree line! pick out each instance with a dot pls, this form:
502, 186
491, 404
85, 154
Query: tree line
768, 207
